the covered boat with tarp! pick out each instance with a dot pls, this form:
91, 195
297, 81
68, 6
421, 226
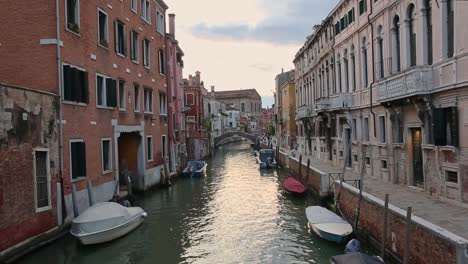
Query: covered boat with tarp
266, 158
328, 225
293, 186
195, 168
356, 258
106, 221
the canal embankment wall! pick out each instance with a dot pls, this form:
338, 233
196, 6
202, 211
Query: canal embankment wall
428, 243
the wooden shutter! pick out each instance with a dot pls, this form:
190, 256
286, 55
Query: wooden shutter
124, 41
74, 160
439, 124
85, 87
74, 80
113, 93
67, 83
79, 86
109, 92
454, 125
116, 25
81, 150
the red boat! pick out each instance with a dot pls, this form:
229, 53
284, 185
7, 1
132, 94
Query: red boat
293, 186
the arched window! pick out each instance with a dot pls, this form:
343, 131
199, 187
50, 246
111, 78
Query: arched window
338, 70
353, 68
380, 52
242, 107
332, 76
365, 74
411, 35
328, 78
209, 108
346, 70
447, 9
396, 63
427, 32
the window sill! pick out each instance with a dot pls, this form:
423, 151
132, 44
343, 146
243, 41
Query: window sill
447, 148
428, 146
104, 107
122, 109
398, 145
151, 160
365, 143
78, 179
134, 10
107, 172
137, 62
104, 47
162, 74
136, 111
121, 55
74, 103
148, 113
451, 184
72, 31
148, 68
147, 22
382, 145
43, 209
165, 115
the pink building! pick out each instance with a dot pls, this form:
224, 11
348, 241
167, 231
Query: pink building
175, 65
384, 83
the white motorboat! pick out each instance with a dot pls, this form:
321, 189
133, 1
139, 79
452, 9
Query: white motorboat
328, 225
266, 159
106, 221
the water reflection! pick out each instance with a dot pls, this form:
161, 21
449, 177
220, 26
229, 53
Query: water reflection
236, 214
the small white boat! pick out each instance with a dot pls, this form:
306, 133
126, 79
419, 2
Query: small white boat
266, 159
328, 225
106, 221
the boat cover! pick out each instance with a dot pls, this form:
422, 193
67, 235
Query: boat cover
355, 258
103, 216
321, 215
293, 185
265, 154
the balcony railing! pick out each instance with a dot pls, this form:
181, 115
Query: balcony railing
340, 101
305, 111
417, 80
322, 104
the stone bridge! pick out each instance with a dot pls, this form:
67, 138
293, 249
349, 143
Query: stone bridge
226, 137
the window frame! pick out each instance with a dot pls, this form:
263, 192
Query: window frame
106, 33
136, 98
146, 53
186, 99
117, 38
63, 85
134, 6
148, 106
162, 106
382, 129
134, 47
49, 198
77, 18
110, 155
163, 146
70, 142
365, 130
124, 108
162, 62
104, 91
149, 152
160, 23
146, 11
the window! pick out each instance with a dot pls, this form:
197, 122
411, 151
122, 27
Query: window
106, 95
42, 179
162, 62
355, 157
382, 130
396, 62
427, 20
160, 27
337, 28
77, 159
146, 10
353, 69
362, 7
354, 132
73, 15
103, 29
134, 46
411, 29
148, 100
397, 124
450, 27
149, 148
367, 160
380, 63
383, 164
119, 34
209, 108
242, 107
136, 99
146, 53
351, 16
365, 79
134, 5
164, 148
75, 84
122, 104
189, 99
365, 129
106, 155
445, 126
451, 176
162, 104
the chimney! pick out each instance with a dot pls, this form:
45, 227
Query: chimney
282, 70
190, 80
197, 78
212, 88
172, 25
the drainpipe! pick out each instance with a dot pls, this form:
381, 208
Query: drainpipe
59, 85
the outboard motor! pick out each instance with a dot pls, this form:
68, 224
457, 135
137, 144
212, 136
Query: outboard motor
353, 246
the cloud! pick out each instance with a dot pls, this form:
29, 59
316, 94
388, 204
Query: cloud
262, 67
288, 22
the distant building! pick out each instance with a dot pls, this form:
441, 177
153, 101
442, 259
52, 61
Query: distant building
282, 80
249, 103
233, 117
267, 116
287, 115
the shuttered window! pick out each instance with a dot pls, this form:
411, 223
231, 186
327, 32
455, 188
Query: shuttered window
77, 159
42, 179
75, 85
445, 121
106, 94
119, 38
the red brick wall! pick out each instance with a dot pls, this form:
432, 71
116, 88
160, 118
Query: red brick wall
425, 246
309, 177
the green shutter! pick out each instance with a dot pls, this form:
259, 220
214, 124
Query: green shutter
82, 158
85, 87
67, 83
439, 123
74, 81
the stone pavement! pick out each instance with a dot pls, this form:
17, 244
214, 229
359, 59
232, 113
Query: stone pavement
448, 215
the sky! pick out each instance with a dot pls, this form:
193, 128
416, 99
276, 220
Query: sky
244, 44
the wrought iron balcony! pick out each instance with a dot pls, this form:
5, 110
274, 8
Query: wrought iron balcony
340, 101
414, 81
305, 111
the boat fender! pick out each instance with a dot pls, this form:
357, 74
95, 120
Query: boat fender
126, 203
353, 246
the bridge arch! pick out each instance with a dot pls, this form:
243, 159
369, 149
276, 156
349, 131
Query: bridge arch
226, 137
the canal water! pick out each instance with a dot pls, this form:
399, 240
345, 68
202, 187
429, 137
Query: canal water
236, 214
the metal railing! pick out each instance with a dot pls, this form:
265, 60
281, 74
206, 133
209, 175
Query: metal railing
333, 177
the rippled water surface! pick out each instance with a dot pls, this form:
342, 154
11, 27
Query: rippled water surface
237, 214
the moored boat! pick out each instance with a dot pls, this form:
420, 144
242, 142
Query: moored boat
356, 258
195, 168
106, 221
328, 225
293, 186
266, 159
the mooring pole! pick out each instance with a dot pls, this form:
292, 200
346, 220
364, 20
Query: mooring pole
384, 234
407, 238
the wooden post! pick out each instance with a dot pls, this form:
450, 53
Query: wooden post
407, 237
308, 170
300, 166
90, 193
384, 234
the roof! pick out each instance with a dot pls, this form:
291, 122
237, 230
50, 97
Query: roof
246, 93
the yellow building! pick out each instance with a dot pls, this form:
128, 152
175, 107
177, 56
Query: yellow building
287, 115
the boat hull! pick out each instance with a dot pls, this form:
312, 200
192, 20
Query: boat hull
110, 234
330, 236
